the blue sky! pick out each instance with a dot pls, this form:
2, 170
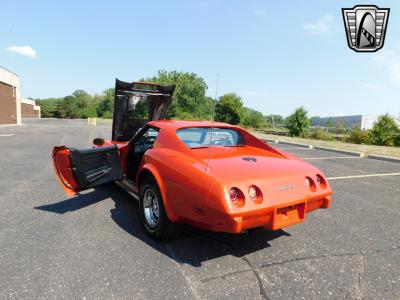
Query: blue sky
277, 55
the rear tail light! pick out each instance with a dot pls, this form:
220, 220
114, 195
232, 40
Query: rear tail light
236, 196
321, 181
233, 194
310, 184
255, 194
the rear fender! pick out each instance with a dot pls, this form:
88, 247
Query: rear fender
153, 171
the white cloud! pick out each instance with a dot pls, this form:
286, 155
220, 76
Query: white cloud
322, 26
23, 50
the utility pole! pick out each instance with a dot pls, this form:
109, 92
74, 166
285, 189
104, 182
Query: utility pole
273, 123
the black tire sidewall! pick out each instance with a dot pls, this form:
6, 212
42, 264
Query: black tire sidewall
158, 230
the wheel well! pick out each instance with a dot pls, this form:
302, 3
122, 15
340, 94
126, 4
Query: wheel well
144, 174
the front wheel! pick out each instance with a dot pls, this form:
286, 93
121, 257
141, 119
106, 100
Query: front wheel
154, 217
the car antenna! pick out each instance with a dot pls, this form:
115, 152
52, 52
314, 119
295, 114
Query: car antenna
212, 125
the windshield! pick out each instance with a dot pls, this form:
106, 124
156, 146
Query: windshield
200, 137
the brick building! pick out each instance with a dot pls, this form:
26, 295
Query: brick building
29, 109
10, 102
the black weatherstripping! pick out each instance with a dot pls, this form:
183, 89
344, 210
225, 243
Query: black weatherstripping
95, 166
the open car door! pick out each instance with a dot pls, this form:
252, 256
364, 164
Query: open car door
137, 103
79, 170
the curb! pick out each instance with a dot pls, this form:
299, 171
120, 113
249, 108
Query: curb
10, 125
385, 158
288, 143
296, 144
348, 152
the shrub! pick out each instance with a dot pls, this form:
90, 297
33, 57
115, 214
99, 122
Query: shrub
107, 115
385, 131
358, 136
320, 134
397, 139
229, 109
298, 123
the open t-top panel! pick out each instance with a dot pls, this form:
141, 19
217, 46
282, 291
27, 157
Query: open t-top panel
137, 103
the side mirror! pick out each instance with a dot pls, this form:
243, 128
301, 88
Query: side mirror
98, 141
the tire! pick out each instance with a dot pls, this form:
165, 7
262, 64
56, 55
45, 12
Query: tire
152, 212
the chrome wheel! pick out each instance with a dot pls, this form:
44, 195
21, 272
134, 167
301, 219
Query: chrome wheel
151, 208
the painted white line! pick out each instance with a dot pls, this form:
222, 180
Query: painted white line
10, 134
332, 157
295, 148
364, 176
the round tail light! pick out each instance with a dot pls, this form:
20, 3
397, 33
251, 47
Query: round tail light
321, 181
255, 194
310, 184
233, 194
252, 192
236, 196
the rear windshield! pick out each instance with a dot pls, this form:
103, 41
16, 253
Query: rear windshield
200, 137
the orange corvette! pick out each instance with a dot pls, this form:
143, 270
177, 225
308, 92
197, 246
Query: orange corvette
210, 175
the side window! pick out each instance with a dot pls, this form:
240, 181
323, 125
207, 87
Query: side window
145, 141
151, 132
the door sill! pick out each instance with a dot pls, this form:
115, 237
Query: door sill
129, 187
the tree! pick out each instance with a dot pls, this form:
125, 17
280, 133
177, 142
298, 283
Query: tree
189, 102
397, 139
253, 118
298, 123
189, 96
105, 107
48, 107
385, 131
229, 109
329, 124
275, 120
339, 123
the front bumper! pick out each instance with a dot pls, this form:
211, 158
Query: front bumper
271, 218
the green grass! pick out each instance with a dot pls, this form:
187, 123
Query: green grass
367, 149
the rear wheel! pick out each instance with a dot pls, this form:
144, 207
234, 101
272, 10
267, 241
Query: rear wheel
152, 211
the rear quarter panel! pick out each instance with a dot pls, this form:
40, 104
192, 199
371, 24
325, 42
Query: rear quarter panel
184, 183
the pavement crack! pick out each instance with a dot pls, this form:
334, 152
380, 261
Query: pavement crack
224, 276
236, 253
377, 251
187, 278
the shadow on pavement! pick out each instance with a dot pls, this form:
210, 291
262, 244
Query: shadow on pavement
76, 203
193, 247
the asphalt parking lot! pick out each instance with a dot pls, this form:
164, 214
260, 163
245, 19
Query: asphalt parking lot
93, 246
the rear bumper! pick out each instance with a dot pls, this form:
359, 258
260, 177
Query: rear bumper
271, 218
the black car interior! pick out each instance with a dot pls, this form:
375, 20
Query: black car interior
138, 146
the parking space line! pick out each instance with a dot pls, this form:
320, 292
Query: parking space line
9, 134
295, 148
364, 176
331, 157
